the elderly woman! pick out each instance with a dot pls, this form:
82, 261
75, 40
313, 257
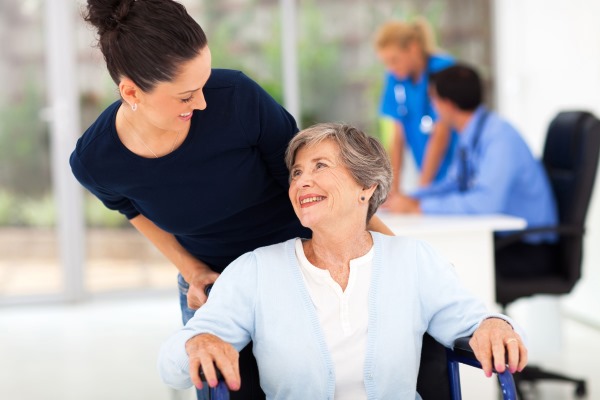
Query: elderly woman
341, 315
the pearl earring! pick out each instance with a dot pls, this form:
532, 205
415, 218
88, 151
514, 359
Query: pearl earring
134, 107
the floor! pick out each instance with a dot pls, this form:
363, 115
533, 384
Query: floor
106, 349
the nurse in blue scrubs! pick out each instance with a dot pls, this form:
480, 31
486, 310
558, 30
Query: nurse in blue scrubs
408, 52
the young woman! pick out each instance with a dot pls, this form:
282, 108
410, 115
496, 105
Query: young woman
408, 51
192, 156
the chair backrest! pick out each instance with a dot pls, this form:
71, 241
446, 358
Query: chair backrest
433, 382
571, 159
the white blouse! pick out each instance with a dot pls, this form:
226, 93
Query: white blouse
344, 319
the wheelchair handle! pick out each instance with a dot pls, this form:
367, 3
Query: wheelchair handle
219, 374
220, 392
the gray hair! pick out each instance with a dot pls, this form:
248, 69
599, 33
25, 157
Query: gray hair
363, 155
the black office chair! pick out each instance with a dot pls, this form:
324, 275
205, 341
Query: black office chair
571, 159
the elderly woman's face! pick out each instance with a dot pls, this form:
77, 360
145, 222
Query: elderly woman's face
322, 190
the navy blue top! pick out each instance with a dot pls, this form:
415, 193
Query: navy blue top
223, 192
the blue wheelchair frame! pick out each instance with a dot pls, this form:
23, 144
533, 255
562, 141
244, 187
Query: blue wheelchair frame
463, 354
219, 392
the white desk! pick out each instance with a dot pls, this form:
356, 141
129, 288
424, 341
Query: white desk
467, 241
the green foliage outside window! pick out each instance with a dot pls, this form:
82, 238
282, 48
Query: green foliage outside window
248, 39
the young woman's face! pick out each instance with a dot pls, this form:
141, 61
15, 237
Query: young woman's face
169, 105
398, 60
322, 190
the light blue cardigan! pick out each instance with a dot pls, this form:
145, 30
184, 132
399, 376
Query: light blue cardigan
262, 297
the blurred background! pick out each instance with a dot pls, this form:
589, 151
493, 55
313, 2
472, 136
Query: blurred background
85, 301
339, 79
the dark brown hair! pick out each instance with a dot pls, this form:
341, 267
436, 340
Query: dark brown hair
145, 40
460, 84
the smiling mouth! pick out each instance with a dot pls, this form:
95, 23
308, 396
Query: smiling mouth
312, 200
186, 114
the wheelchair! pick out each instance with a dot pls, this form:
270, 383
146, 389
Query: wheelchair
437, 380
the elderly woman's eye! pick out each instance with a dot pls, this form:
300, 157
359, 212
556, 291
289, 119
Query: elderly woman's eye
295, 173
320, 165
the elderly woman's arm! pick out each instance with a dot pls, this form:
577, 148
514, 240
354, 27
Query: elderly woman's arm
452, 312
216, 333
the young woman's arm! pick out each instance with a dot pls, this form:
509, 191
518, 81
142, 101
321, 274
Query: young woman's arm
434, 153
194, 271
397, 156
377, 225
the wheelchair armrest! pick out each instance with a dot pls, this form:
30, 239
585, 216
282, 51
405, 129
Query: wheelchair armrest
463, 348
219, 392
562, 230
463, 353
217, 372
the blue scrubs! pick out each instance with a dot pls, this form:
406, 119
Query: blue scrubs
408, 102
501, 175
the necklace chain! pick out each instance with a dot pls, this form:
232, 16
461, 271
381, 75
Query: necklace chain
144, 143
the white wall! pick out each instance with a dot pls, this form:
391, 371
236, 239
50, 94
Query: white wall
547, 55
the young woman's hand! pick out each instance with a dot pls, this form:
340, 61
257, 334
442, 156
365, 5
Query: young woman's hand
201, 277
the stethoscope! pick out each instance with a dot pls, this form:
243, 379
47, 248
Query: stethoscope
463, 178
426, 123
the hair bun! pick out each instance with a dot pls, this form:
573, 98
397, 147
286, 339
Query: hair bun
107, 15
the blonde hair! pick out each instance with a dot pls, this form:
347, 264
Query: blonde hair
401, 34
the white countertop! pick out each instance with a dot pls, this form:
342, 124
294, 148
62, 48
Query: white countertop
410, 224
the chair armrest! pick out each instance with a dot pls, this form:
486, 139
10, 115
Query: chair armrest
463, 353
462, 348
217, 372
562, 230
219, 392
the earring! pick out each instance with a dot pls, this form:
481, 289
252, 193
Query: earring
134, 107
362, 198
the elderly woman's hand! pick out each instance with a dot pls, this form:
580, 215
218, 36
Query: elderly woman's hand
205, 351
492, 340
